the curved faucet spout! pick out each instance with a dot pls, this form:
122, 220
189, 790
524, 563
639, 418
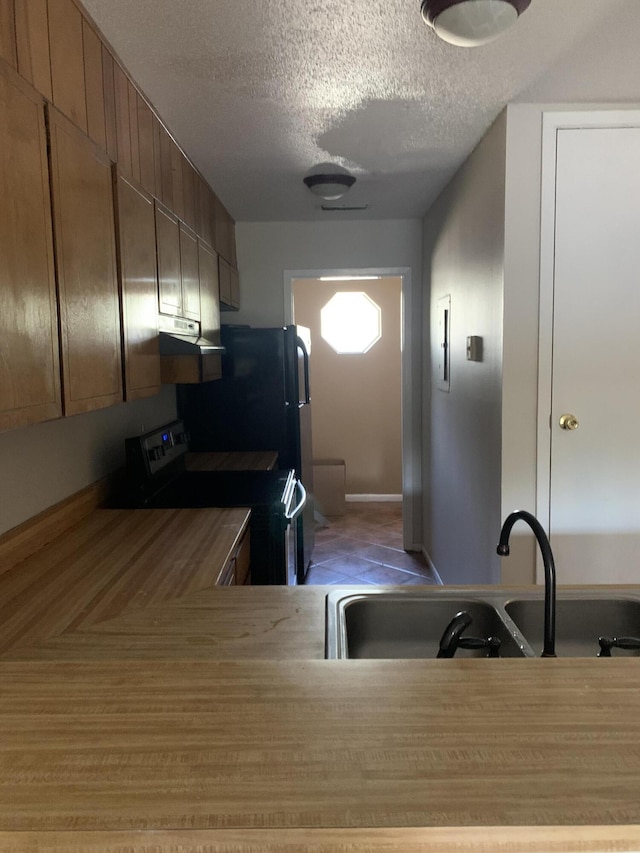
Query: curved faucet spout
549, 650
451, 634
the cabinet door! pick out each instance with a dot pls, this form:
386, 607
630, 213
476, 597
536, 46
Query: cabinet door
229, 286
29, 363
235, 288
84, 231
67, 61
225, 281
189, 274
32, 38
168, 248
94, 82
8, 50
138, 283
209, 293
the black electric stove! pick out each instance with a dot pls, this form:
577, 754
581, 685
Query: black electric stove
157, 478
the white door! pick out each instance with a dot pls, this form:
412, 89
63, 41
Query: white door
594, 497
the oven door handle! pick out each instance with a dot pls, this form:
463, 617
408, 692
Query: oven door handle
298, 509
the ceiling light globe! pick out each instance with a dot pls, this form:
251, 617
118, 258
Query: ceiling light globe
329, 181
470, 23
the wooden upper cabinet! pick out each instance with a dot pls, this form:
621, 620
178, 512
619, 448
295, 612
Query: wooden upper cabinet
146, 146
229, 285
176, 180
109, 93
156, 129
225, 239
139, 289
134, 135
82, 196
67, 61
189, 193
206, 213
166, 175
209, 293
168, 252
189, 274
32, 37
94, 81
123, 120
29, 363
8, 50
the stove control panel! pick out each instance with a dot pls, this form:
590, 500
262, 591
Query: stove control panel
149, 454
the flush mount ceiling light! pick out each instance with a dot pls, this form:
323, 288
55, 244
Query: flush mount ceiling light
468, 23
329, 181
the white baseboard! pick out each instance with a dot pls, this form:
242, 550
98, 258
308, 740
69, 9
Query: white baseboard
373, 498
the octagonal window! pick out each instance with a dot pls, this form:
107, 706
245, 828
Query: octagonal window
351, 322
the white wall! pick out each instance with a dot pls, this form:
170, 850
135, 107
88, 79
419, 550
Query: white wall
267, 249
464, 247
45, 463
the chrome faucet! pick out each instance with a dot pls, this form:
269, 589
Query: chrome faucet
549, 650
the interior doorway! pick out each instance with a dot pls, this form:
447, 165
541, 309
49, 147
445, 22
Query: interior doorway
411, 385
356, 378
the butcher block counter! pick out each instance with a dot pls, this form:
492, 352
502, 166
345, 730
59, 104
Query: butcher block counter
142, 708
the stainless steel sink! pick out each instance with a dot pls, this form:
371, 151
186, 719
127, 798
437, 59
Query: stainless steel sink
579, 623
391, 622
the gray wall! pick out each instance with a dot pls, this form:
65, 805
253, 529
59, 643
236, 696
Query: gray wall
464, 248
45, 463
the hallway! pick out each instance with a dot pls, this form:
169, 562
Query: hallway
364, 546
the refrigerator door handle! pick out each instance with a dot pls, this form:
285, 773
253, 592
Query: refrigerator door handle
305, 356
299, 507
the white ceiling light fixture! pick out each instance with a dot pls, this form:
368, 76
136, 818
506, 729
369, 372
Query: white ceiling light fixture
469, 23
328, 181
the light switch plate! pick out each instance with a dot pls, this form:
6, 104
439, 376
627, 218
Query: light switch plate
474, 348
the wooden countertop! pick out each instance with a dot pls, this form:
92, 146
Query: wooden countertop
180, 745
219, 623
447, 839
143, 709
111, 562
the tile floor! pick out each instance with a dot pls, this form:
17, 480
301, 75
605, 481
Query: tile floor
364, 546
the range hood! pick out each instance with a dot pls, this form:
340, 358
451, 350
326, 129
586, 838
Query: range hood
182, 337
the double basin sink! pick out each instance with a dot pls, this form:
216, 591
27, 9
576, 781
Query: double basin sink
389, 622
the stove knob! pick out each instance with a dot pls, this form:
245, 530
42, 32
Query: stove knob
156, 453
182, 437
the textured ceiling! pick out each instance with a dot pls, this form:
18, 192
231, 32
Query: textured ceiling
259, 91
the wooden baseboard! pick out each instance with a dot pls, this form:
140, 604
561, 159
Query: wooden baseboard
24, 540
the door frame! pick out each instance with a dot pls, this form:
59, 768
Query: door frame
552, 123
411, 411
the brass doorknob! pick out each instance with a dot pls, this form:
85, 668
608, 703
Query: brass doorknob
569, 422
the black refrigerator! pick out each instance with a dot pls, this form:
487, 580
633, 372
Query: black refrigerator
262, 402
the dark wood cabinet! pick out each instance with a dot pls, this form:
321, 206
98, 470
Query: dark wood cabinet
29, 361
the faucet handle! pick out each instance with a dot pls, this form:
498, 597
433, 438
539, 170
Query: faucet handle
608, 643
491, 643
